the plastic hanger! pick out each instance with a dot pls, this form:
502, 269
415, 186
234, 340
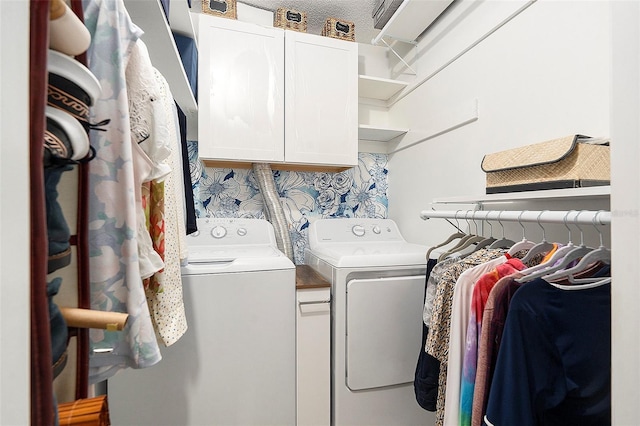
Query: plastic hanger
451, 238
575, 254
558, 254
601, 254
487, 241
601, 281
524, 244
501, 242
463, 244
542, 247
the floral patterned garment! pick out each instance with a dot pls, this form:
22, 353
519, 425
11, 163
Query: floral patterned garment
116, 284
305, 196
165, 294
153, 202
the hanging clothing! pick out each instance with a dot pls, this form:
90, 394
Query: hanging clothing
425, 383
150, 147
165, 299
437, 343
116, 284
190, 209
494, 316
459, 320
554, 364
481, 291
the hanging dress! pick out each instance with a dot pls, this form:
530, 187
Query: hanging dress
116, 284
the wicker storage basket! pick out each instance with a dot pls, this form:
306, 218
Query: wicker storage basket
290, 19
221, 8
336, 28
567, 162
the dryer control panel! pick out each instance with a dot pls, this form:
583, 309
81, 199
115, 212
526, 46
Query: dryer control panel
347, 230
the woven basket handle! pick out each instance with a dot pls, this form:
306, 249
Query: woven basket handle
294, 16
218, 5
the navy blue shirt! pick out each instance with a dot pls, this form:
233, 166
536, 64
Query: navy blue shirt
554, 364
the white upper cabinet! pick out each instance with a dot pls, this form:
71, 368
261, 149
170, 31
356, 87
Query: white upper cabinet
241, 91
321, 100
269, 95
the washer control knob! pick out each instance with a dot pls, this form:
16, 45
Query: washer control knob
376, 229
242, 232
218, 231
358, 230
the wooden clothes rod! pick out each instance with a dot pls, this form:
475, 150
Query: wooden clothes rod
87, 318
575, 217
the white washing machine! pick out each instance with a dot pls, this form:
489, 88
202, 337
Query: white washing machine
377, 291
236, 363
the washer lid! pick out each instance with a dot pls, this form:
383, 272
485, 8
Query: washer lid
217, 254
212, 259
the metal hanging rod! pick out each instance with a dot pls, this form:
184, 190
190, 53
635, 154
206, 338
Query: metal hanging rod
577, 217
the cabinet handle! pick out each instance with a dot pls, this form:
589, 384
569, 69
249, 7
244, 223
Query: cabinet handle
314, 306
314, 302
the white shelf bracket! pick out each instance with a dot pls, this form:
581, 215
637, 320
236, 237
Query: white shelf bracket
413, 72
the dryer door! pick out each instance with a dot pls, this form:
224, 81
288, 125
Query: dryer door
384, 330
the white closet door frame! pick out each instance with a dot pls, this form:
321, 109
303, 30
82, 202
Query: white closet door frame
14, 214
625, 207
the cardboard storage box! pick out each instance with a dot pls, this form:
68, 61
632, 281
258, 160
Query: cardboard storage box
336, 28
221, 8
568, 162
291, 19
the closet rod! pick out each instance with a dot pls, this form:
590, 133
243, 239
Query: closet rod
576, 217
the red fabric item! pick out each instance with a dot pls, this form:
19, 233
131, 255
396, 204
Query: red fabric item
42, 410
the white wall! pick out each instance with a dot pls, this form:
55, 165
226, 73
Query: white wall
543, 74
14, 213
554, 69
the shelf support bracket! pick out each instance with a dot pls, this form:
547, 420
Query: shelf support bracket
398, 56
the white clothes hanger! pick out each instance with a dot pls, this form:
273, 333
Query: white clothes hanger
601, 254
600, 282
576, 253
524, 244
542, 247
559, 253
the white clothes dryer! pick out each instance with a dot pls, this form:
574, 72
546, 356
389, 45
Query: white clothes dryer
377, 285
235, 365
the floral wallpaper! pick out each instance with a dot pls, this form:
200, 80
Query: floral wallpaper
305, 196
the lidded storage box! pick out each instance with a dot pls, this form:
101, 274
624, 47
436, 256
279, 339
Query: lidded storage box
569, 162
336, 28
383, 11
221, 8
291, 19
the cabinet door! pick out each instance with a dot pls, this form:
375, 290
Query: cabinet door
313, 357
321, 100
240, 91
